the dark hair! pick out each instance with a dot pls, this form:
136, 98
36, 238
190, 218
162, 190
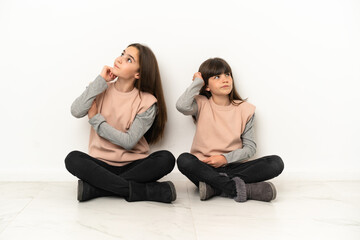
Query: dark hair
213, 67
150, 81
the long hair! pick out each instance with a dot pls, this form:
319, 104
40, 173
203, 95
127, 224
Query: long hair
150, 81
213, 67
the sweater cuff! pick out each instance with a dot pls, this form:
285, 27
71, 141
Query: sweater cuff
100, 83
228, 157
198, 82
96, 121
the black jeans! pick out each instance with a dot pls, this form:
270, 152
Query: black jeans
220, 178
115, 179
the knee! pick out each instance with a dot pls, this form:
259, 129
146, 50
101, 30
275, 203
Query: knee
170, 160
185, 161
166, 160
72, 160
277, 164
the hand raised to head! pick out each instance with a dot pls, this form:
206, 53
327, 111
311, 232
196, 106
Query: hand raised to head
107, 74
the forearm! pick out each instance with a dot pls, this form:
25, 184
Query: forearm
186, 104
104, 130
240, 155
129, 139
82, 104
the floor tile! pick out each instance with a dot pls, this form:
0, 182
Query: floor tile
14, 198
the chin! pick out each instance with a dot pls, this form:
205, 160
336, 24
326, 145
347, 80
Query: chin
226, 91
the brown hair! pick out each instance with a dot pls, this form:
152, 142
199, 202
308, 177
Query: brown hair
150, 81
213, 67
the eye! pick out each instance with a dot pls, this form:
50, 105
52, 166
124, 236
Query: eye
217, 77
227, 74
129, 60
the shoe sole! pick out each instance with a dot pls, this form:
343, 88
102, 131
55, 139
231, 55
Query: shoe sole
80, 190
202, 191
273, 190
173, 190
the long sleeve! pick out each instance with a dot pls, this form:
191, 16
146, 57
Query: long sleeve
129, 139
82, 104
186, 104
249, 146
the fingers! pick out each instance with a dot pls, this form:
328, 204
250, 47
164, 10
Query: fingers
111, 74
205, 160
213, 161
107, 73
105, 69
104, 72
209, 161
110, 70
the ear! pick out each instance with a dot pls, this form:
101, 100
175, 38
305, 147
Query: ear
207, 89
137, 75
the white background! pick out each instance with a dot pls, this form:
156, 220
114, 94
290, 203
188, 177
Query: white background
297, 61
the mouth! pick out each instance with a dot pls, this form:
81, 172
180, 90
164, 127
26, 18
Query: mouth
225, 86
115, 66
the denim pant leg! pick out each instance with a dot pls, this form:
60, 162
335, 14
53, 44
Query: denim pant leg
197, 171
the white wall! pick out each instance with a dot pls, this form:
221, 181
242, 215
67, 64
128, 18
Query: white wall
297, 61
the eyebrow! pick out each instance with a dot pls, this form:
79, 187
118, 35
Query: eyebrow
129, 55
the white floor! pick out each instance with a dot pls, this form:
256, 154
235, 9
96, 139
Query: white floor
303, 210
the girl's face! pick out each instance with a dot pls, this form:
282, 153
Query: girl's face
127, 66
220, 85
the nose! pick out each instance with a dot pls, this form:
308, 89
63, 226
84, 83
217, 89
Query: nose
224, 79
119, 60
